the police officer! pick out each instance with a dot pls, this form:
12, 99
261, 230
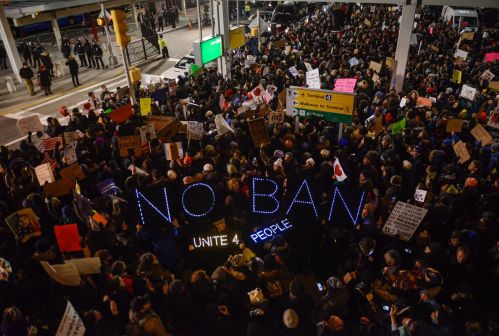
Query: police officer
247, 9
97, 54
47, 61
36, 52
65, 48
160, 22
88, 51
163, 47
79, 50
73, 70
25, 50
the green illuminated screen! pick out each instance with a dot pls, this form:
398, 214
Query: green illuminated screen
211, 49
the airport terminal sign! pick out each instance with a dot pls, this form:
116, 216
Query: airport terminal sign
332, 106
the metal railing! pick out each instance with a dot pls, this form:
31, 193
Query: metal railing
139, 50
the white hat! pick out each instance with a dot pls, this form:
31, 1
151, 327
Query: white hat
290, 319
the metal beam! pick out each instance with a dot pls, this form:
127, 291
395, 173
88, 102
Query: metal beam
455, 3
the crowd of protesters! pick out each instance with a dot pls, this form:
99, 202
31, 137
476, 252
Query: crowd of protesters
321, 279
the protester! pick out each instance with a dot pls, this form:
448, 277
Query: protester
73, 70
44, 79
326, 262
26, 73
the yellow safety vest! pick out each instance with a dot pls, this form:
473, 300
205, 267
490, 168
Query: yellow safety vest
247, 8
162, 43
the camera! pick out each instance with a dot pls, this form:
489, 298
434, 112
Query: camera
386, 308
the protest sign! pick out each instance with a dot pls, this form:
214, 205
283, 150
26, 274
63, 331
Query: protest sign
398, 126
278, 44
308, 66
136, 170
145, 106
491, 57
173, 150
222, 125
461, 53
58, 188
24, 224
487, 75
467, 36
258, 131
468, 92
456, 76
73, 172
390, 62
86, 266
367, 23
494, 119
68, 238
494, 86
293, 71
276, 117
454, 125
29, 124
403, 102
147, 133
262, 110
422, 101
345, 85
64, 274
420, 195
71, 323
375, 66
121, 114
98, 218
404, 220
353, 61
127, 143
434, 48
287, 49
195, 130
44, 174
166, 127
481, 134
461, 151
70, 156
313, 79
69, 137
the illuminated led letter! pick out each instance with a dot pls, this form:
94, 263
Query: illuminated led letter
140, 197
296, 200
255, 194
199, 184
337, 192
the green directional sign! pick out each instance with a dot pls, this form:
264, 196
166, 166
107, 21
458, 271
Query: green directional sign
211, 49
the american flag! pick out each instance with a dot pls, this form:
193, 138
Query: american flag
222, 102
48, 145
48, 159
267, 97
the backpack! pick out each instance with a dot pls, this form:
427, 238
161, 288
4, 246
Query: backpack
274, 288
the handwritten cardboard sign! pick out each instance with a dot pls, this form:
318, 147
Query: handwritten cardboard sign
127, 143
481, 134
461, 151
468, 92
145, 106
44, 174
404, 220
73, 172
29, 124
195, 130
64, 274
313, 79
71, 324
454, 125
375, 66
173, 151
258, 131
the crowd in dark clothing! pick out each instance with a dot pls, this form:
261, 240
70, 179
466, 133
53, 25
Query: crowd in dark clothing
318, 278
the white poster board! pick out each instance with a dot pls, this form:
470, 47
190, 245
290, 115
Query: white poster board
44, 174
420, 195
195, 130
404, 220
468, 92
71, 323
222, 125
313, 79
70, 156
461, 53
293, 71
147, 133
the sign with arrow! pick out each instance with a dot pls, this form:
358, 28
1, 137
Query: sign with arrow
332, 106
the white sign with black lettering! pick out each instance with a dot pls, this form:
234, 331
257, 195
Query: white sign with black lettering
71, 323
195, 130
313, 79
404, 220
420, 195
468, 92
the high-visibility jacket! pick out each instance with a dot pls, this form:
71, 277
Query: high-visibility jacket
162, 43
247, 8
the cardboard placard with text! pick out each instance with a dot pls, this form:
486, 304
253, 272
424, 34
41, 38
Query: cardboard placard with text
461, 151
68, 237
375, 66
58, 188
481, 134
72, 173
454, 125
29, 124
258, 131
404, 220
44, 174
129, 142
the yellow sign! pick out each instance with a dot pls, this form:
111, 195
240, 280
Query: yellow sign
330, 105
145, 106
236, 38
456, 76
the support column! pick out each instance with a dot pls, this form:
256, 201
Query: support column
403, 44
135, 14
184, 8
10, 44
222, 27
55, 28
112, 58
